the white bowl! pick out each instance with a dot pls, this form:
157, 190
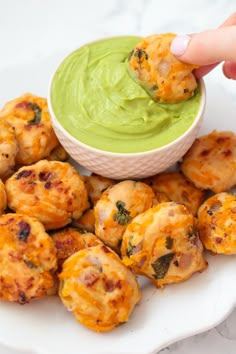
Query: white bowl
128, 165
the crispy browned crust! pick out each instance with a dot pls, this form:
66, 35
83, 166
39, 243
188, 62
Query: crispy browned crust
29, 116
27, 259
52, 191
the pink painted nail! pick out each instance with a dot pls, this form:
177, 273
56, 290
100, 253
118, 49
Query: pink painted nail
179, 45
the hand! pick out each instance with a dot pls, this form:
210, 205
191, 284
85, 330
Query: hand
209, 48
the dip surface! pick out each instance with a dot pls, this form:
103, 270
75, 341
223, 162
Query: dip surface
96, 101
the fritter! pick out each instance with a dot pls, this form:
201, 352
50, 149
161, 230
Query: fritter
27, 259
217, 223
29, 116
163, 244
96, 185
70, 240
8, 149
52, 191
178, 189
99, 290
210, 162
116, 208
159, 72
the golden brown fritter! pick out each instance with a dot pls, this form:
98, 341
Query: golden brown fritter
96, 185
27, 259
52, 191
58, 154
162, 243
3, 197
178, 189
70, 240
86, 221
160, 197
159, 72
217, 223
8, 149
99, 290
30, 118
116, 208
210, 163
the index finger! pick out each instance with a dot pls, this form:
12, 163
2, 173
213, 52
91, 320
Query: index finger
204, 70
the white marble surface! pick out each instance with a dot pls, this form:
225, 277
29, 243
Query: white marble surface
37, 30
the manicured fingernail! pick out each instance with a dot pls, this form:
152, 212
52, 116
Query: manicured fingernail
179, 45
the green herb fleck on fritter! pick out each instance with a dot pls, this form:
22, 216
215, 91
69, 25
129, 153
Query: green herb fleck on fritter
129, 250
161, 265
37, 114
122, 216
30, 264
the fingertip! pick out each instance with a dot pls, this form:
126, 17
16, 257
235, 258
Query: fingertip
229, 70
204, 70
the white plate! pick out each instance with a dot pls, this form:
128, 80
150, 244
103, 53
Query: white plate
163, 316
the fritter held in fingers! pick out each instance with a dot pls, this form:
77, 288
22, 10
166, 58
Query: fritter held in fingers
27, 259
96, 185
162, 243
217, 223
159, 72
3, 197
116, 208
30, 118
178, 189
52, 191
70, 240
8, 149
210, 163
99, 290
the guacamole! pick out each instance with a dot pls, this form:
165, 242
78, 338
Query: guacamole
96, 101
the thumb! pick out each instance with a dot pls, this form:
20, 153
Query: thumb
207, 47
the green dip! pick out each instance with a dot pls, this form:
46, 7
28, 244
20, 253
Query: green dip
96, 101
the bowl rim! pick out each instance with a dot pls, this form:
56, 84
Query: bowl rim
95, 150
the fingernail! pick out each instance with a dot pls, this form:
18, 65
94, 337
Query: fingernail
179, 45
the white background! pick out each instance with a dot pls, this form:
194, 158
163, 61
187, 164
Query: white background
43, 31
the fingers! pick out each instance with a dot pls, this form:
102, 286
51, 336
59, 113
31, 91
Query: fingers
204, 70
209, 47
231, 21
229, 70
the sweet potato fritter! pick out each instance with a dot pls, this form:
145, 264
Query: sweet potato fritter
217, 223
178, 189
159, 72
99, 290
52, 191
27, 259
86, 221
210, 163
116, 208
29, 116
96, 185
163, 244
8, 149
70, 240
